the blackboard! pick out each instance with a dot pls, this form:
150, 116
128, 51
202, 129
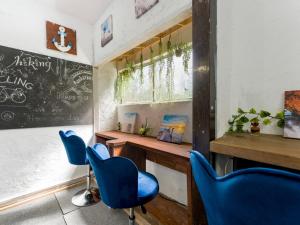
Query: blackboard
41, 91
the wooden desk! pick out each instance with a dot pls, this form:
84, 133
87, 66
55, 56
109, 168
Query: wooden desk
270, 149
170, 155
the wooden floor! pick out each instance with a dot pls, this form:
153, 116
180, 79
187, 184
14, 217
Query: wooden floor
173, 213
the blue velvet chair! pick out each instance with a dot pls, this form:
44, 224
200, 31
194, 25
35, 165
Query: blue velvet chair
76, 152
256, 196
122, 185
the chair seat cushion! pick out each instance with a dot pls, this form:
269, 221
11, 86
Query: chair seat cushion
147, 187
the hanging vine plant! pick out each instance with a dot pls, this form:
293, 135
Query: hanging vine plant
170, 67
186, 56
152, 71
122, 80
161, 59
141, 68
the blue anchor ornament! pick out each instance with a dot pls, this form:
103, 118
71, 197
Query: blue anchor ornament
61, 46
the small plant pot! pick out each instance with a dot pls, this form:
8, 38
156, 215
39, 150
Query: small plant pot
178, 52
255, 129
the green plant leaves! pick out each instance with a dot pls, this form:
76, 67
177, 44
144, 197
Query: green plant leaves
254, 120
267, 121
238, 121
244, 119
280, 115
280, 123
264, 114
252, 111
240, 111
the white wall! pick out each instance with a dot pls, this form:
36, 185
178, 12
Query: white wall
104, 103
258, 56
34, 159
23, 26
129, 31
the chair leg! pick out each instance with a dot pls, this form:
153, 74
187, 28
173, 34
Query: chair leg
131, 216
88, 196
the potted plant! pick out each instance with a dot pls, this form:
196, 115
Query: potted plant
243, 118
145, 129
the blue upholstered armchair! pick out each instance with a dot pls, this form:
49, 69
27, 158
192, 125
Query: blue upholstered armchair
76, 152
256, 196
122, 185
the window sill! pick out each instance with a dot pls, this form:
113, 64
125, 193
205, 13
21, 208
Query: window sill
156, 103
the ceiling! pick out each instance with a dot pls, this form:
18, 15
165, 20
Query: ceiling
86, 10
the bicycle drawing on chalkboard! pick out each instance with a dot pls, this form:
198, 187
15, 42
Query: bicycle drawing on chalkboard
16, 95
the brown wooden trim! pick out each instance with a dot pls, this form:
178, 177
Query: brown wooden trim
39, 194
154, 39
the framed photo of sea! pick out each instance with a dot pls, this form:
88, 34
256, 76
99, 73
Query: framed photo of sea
172, 128
292, 114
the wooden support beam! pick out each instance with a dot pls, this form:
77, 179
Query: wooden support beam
203, 74
204, 89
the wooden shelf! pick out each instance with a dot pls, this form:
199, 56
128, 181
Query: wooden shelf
154, 39
271, 149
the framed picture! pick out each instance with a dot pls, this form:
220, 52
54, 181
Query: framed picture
127, 122
106, 31
142, 6
292, 114
61, 38
172, 128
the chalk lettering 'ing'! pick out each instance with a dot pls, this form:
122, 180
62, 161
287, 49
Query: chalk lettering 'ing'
32, 62
16, 81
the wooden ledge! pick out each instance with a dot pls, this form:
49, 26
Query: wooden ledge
264, 148
118, 139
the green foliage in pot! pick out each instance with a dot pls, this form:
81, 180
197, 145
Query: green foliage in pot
243, 118
145, 129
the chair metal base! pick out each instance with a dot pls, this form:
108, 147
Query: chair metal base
131, 216
86, 197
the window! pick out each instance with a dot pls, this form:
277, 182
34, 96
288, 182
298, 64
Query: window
157, 82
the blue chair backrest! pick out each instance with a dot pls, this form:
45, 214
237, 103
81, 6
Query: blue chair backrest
256, 196
117, 178
75, 147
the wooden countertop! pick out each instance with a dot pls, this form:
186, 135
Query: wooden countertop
271, 149
118, 138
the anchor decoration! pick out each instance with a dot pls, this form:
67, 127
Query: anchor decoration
61, 46
61, 38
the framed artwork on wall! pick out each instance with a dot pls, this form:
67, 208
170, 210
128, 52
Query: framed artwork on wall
292, 114
143, 6
106, 31
61, 38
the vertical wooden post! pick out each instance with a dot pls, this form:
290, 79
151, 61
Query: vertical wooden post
204, 91
204, 21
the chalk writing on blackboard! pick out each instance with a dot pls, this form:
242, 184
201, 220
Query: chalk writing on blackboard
40, 91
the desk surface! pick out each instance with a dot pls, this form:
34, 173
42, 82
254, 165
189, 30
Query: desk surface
271, 149
119, 138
